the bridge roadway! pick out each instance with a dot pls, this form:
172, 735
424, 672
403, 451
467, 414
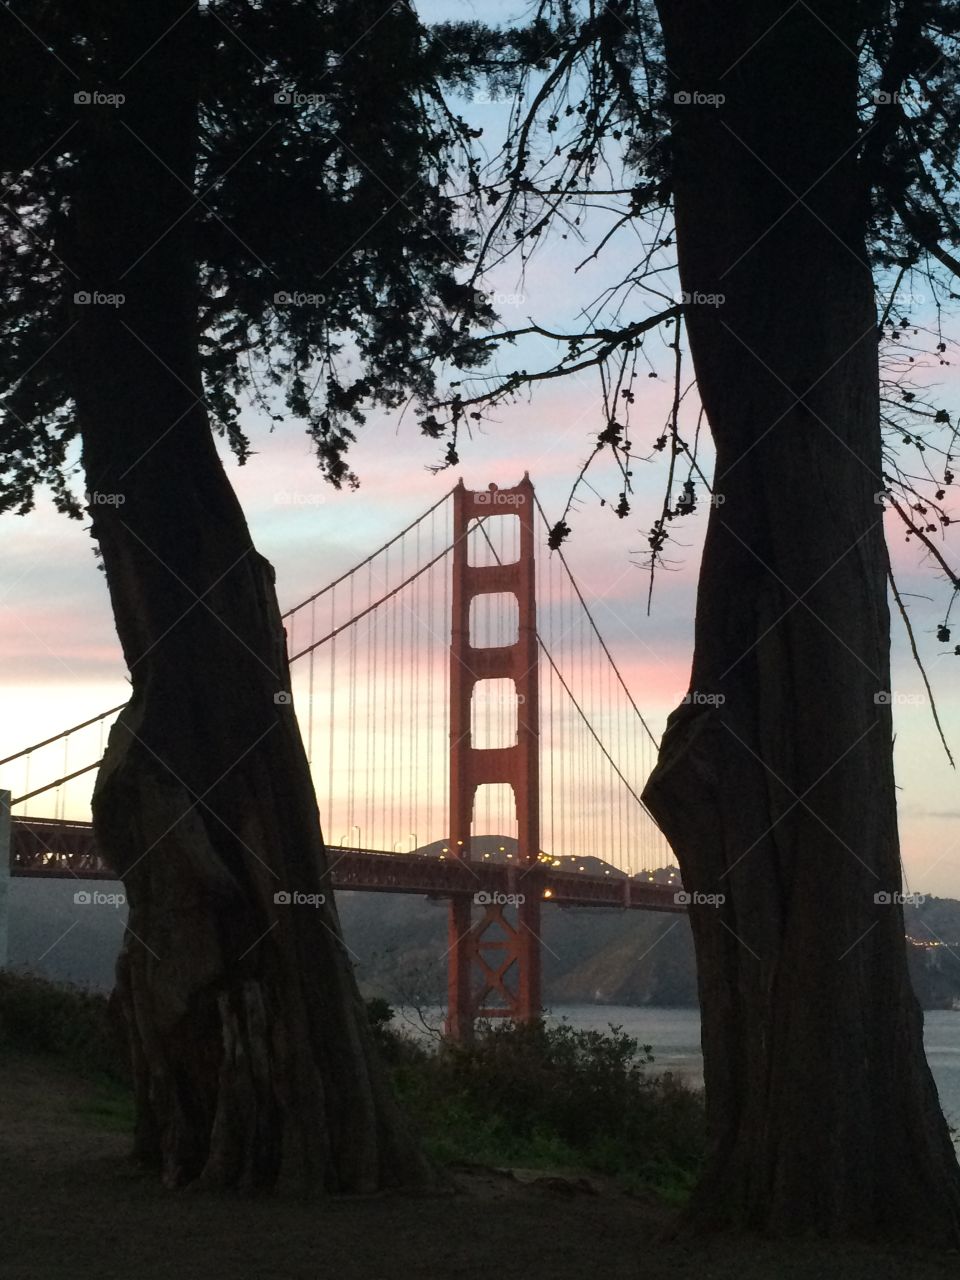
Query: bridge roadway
51, 848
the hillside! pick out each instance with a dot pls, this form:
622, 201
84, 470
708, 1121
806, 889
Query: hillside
398, 943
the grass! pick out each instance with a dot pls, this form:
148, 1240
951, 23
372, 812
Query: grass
109, 1109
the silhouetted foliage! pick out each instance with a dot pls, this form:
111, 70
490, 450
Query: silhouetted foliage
328, 245
590, 156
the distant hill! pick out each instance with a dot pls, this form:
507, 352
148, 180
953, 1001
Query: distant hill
398, 943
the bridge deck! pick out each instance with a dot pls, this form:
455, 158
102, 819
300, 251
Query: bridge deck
52, 849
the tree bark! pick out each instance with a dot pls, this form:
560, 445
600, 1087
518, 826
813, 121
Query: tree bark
252, 1056
775, 780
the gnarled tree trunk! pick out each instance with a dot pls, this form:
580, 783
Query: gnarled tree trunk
775, 780
252, 1054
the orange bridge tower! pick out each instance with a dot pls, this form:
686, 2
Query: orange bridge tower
494, 946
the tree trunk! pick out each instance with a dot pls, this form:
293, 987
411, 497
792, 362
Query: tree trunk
252, 1055
775, 780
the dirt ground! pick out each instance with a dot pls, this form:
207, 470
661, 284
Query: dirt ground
74, 1207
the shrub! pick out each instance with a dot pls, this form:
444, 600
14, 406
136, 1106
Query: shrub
38, 1016
538, 1094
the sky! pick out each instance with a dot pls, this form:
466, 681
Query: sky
61, 660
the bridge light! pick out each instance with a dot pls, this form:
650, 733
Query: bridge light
502, 849
556, 862
486, 855
459, 842
548, 893
444, 849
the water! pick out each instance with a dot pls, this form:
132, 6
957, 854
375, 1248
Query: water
672, 1034
674, 1039
941, 1036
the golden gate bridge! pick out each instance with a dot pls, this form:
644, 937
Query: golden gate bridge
470, 737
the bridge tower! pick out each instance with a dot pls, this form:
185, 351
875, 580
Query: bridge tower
493, 960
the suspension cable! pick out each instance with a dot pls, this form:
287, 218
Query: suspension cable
63, 734
380, 550
596, 629
376, 605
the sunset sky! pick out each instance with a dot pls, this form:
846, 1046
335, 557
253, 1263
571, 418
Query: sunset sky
61, 660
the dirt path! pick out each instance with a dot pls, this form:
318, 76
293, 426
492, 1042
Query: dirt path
73, 1207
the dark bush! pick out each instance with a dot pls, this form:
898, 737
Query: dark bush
37, 1016
539, 1094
